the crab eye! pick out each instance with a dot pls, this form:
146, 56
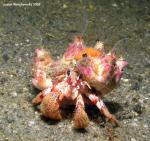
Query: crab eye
84, 55
68, 72
80, 76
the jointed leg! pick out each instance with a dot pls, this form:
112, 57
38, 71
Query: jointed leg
49, 104
101, 106
38, 99
80, 117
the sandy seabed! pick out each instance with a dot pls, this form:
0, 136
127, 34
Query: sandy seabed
124, 25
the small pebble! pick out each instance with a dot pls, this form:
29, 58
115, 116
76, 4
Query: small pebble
26, 54
145, 126
14, 105
114, 5
125, 80
141, 101
31, 123
58, 57
25, 89
60, 126
65, 6
5, 57
27, 40
133, 139
135, 120
134, 124
16, 44
14, 94
14, 132
19, 59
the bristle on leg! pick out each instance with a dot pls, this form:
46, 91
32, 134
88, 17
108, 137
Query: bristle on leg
50, 107
111, 118
81, 119
103, 109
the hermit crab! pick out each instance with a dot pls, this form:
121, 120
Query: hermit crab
82, 76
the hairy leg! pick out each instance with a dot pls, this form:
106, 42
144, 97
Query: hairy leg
101, 106
50, 107
80, 117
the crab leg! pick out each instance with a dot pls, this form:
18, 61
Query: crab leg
54, 88
38, 99
50, 107
101, 106
40, 80
81, 119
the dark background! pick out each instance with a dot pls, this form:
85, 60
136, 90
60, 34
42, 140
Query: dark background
122, 24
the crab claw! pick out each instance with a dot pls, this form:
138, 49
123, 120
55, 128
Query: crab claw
50, 107
42, 84
40, 81
42, 59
